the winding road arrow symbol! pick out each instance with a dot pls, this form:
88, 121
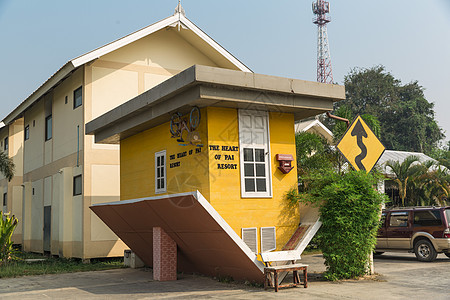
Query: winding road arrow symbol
359, 132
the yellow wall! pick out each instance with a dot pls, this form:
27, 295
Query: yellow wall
137, 159
225, 184
219, 126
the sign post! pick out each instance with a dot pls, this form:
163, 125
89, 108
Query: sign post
362, 149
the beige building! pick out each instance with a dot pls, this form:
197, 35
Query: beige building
11, 142
60, 171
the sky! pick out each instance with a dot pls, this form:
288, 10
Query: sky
411, 38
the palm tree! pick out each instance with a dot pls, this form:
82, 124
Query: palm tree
6, 166
403, 173
435, 185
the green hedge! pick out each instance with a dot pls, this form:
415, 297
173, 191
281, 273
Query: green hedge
350, 207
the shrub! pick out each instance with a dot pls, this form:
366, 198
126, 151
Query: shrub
7, 226
349, 207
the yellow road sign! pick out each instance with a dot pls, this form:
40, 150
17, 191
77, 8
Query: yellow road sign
360, 146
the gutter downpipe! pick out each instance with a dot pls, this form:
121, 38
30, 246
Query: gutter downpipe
78, 144
329, 115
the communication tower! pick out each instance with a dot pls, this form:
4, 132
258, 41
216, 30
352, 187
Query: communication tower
324, 73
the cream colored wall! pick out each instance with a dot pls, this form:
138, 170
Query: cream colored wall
16, 146
63, 192
162, 49
33, 156
15, 193
66, 119
16, 210
105, 188
44, 165
125, 88
37, 215
77, 210
27, 223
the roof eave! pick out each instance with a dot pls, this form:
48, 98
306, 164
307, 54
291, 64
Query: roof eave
209, 86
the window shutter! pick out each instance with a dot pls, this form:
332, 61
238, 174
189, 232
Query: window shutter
249, 236
268, 239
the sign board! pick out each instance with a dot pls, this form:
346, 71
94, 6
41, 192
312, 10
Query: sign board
360, 146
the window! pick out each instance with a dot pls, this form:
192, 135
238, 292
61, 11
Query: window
160, 172
427, 218
254, 154
27, 132
399, 219
250, 238
5, 199
77, 97
5, 144
48, 128
77, 185
268, 239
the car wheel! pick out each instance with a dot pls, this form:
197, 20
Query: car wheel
425, 251
377, 253
447, 254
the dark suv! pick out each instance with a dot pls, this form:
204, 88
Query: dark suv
422, 230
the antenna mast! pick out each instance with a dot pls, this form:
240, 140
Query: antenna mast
324, 73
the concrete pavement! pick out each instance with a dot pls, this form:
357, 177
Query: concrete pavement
403, 277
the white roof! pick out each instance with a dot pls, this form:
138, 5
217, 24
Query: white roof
399, 156
315, 126
178, 19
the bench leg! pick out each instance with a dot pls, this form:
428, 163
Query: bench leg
305, 274
296, 277
265, 280
276, 281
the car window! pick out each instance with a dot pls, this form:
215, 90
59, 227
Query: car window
447, 215
427, 218
399, 219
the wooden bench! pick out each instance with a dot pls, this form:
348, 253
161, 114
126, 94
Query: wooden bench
283, 256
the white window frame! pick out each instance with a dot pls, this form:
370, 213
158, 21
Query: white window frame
266, 146
164, 175
273, 239
253, 239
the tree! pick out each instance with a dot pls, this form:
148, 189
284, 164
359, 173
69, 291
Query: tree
407, 119
430, 185
6, 166
313, 153
340, 127
403, 173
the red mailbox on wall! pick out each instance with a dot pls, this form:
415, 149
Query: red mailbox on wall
285, 162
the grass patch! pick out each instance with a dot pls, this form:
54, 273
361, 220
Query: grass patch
52, 265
